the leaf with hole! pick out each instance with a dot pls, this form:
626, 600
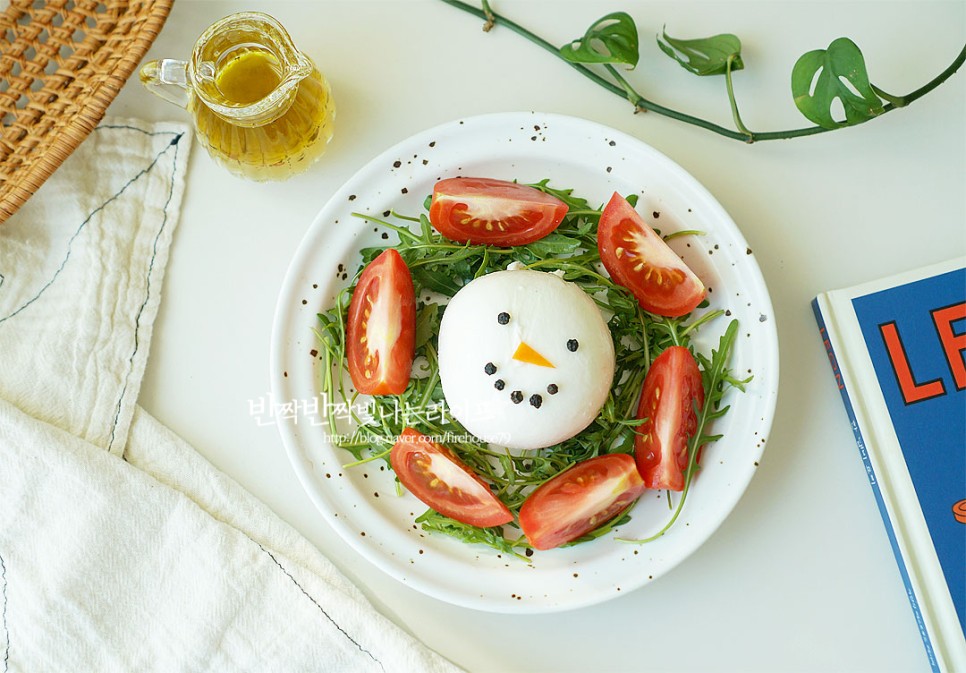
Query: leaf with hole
824, 75
611, 39
705, 56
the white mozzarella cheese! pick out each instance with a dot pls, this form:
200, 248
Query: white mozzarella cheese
525, 358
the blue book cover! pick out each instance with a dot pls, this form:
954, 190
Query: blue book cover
898, 352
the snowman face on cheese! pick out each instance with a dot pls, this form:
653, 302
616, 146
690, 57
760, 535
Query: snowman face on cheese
525, 358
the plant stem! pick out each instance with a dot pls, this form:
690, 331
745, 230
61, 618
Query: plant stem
734, 103
632, 95
896, 101
488, 15
624, 90
939, 79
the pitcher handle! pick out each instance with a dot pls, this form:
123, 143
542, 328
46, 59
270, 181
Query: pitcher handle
168, 79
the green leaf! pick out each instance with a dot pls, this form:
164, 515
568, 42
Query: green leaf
436, 281
427, 324
837, 72
555, 245
715, 373
442, 266
705, 56
611, 39
431, 520
565, 195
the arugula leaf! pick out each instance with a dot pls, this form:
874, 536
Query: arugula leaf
837, 72
555, 244
493, 537
716, 378
611, 39
427, 324
443, 267
574, 203
435, 281
715, 55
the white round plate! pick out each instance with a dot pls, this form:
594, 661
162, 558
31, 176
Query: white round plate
361, 502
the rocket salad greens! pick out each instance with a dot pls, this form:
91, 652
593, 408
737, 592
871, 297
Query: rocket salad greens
439, 268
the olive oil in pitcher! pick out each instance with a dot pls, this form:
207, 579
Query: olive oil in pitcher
259, 106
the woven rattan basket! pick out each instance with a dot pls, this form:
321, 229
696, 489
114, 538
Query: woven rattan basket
62, 62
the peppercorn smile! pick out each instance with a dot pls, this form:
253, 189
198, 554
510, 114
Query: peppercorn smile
525, 358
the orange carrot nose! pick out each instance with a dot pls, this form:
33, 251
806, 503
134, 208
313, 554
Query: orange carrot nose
526, 353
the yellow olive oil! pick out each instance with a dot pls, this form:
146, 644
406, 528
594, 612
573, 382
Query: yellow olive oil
286, 139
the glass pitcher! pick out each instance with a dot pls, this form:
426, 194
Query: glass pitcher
259, 105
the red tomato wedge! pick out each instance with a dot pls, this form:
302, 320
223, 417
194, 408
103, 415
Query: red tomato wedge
495, 212
381, 329
442, 481
580, 499
671, 392
637, 258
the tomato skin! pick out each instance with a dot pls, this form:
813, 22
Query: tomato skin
580, 499
486, 211
637, 258
458, 492
671, 391
381, 327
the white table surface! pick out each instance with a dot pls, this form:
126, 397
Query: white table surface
801, 576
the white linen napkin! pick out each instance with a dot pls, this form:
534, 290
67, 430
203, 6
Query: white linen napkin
121, 548
81, 266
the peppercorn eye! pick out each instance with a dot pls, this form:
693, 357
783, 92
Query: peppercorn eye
572, 345
503, 318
